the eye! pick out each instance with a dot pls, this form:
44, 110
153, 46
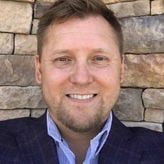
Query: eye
100, 60
62, 61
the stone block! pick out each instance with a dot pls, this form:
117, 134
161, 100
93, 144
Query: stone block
6, 43
143, 34
35, 26
148, 125
11, 114
157, 7
144, 70
15, 17
24, 0
12, 97
17, 70
154, 115
129, 105
46, 0
126, 9
25, 44
37, 112
115, 1
154, 98
40, 8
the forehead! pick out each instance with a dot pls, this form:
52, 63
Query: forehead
79, 33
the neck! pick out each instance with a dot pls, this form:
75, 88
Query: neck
78, 142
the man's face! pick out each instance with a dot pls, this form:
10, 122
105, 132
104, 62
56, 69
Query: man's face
80, 72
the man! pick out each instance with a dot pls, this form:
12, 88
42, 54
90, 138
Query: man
79, 67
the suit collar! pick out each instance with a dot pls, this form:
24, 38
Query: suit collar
119, 146
35, 144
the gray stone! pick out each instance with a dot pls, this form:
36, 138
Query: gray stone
144, 71
143, 34
154, 98
136, 8
148, 125
154, 115
37, 112
115, 1
15, 17
40, 8
21, 97
25, 44
129, 105
11, 114
17, 70
6, 43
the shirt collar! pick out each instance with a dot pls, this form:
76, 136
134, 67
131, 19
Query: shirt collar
99, 140
96, 143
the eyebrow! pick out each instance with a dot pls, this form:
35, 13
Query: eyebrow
100, 50
66, 51
60, 51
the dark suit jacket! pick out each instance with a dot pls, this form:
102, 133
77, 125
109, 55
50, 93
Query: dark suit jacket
25, 141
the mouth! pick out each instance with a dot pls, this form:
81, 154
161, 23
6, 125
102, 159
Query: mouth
81, 96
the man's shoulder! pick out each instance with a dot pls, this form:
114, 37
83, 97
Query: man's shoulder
144, 133
17, 124
137, 138
147, 139
11, 130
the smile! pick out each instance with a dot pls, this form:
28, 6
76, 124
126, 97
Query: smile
81, 97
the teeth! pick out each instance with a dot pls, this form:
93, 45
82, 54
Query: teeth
81, 97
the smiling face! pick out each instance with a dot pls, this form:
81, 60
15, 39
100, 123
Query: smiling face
80, 72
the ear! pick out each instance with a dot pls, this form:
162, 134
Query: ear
122, 69
38, 72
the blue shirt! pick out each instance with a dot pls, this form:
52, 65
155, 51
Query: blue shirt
65, 155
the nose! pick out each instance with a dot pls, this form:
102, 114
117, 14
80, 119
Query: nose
81, 74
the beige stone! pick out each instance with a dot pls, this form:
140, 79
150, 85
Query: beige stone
24, 0
12, 97
17, 70
154, 115
46, 0
37, 112
157, 7
6, 43
154, 98
11, 114
148, 125
15, 17
136, 8
144, 70
35, 26
25, 44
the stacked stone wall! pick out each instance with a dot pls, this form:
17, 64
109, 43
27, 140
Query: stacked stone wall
141, 102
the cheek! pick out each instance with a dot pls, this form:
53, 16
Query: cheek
109, 76
52, 77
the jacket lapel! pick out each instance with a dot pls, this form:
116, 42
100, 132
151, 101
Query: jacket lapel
35, 145
120, 146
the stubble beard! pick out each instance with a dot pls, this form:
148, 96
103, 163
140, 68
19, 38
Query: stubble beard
92, 124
